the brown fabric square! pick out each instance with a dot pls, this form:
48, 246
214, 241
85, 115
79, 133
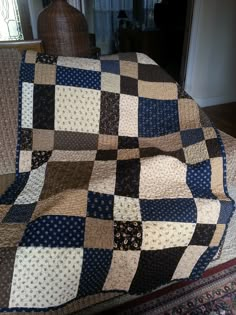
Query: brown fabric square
71, 202
189, 116
98, 233
213, 147
43, 140
129, 69
73, 141
45, 74
152, 73
11, 234
127, 154
168, 143
7, 260
62, 176
30, 56
107, 142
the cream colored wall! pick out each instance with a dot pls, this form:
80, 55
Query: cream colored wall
211, 70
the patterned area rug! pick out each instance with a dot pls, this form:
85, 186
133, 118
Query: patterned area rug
214, 294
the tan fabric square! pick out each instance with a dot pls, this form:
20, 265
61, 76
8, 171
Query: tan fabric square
3, 211
188, 261
43, 140
45, 74
168, 143
30, 56
128, 154
196, 153
160, 235
71, 202
110, 82
209, 133
107, 142
144, 59
123, 268
157, 90
25, 161
208, 210
110, 57
11, 234
79, 63
217, 184
128, 123
129, 69
219, 232
72, 156
98, 233
126, 209
154, 174
103, 179
189, 116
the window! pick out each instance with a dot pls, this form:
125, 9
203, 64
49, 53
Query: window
10, 24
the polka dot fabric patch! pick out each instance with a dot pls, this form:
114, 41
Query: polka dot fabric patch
120, 185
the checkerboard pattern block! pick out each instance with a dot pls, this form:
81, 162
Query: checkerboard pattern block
120, 183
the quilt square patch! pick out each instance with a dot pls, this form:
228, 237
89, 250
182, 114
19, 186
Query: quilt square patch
98, 233
25, 161
203, 234
73, 141
196, 153
128, 142
129, 69
122, 270
127, 235
100, 206
192, 136
166, 112
106, 155
128, 122
14, 231
107, 142
110, 82
27, 105
213, 147
26, 140
49, 277
128, 86
44, 106
109, 119
19, 213
46, 59
110, 66
43, 140
45, 74
126, 209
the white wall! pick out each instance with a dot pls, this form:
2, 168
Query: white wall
35, 7
211, 69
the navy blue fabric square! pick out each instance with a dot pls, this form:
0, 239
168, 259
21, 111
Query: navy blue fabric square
199, 180
19, 213
93, 276
44, 106
111, 66
100, 205
152, 111
55, 231
27, 72
175, 210
127, 178
78, 77
225, 212
203, 261
15, 189
155, 268
191, 136
128, 142
203, 234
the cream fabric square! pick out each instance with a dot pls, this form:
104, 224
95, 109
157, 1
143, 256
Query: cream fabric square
142, 58
110, 82
128, 123
217, 184
27, 105
30, 56
45, 277
208, 211
129, 69
33, 188
219, 232
163, 177
160, 235
126, 209
79, 63
25, 161
196, 153
103, 179
123, 268
188, 261
77, 109
209, 133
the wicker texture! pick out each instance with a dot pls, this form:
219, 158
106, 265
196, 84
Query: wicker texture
64, 30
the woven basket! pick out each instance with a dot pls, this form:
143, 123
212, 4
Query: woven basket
63, 30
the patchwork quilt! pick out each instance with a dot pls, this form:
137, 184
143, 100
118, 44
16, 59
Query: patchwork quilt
121, 184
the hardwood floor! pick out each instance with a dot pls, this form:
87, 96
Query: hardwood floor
224, 117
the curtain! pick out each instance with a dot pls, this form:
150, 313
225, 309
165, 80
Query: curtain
106, 21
